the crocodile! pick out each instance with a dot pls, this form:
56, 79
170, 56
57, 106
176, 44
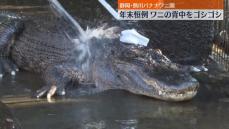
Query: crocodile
43, 47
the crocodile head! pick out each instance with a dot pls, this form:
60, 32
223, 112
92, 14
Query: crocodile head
140, 71
158, 82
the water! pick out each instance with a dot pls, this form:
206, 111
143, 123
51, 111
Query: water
7, 121
82, 38
111, 109
58, 9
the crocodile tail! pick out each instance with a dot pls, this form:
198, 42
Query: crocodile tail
10, 27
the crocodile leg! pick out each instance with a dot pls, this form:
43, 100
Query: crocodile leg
10, 28
57, 77
7, 66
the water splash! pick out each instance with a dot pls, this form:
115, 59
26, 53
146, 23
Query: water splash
84, 50
59, 10
82, 42
102, 32
84, 36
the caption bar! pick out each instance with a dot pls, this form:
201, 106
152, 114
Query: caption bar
171, 9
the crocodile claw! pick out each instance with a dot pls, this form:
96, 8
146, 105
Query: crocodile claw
41, 92
57, 78
7, 67
48, 91
51, 92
